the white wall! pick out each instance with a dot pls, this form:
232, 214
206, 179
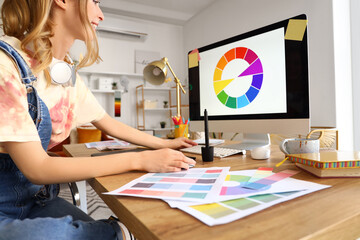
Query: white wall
228, 18
329, 46
343, 75
355, 26
118, 54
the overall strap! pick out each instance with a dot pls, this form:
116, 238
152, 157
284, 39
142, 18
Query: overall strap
37, 108
25, 72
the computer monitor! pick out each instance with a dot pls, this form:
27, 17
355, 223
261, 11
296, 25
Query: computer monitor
253, 83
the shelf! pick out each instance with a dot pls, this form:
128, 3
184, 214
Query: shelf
157, 109
101, 91
161, 88
159, 113
157, 88
162, 129
182, 106
112, 74
156, 129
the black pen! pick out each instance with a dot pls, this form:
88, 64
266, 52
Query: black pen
206, 129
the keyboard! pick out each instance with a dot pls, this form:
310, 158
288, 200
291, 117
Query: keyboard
219, 152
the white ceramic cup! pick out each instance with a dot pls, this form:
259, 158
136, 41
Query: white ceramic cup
300, 145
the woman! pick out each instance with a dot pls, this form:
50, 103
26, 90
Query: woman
38, 113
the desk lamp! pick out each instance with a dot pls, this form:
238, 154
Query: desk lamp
155, 73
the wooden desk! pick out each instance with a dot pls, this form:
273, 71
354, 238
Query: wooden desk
333, 213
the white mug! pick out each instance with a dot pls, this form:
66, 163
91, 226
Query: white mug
300, 145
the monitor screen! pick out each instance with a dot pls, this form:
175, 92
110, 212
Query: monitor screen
255, 82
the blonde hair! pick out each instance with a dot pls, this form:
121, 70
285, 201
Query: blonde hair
30, 22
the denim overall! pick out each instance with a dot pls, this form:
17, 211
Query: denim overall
29, 211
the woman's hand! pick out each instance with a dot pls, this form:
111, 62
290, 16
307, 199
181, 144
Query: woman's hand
163, 160
179, 143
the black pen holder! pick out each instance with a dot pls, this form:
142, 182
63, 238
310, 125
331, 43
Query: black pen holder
207, 154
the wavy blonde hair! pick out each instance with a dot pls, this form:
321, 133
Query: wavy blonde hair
30, 22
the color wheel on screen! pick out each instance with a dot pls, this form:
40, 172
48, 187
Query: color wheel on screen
253, 69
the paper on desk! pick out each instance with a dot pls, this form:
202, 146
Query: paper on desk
233, 188
211, 141
226, 211
231, 210
110, 144
196, 185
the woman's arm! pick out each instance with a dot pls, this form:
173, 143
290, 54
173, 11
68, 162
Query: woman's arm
122, 131
40, 168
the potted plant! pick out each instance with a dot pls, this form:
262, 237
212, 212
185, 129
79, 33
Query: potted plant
114, 85
166, 104
162, 124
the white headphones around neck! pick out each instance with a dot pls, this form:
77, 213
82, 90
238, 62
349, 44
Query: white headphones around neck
63, 73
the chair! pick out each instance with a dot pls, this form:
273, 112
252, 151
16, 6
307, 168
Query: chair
75, 193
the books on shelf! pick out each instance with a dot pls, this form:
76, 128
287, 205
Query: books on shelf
329, 164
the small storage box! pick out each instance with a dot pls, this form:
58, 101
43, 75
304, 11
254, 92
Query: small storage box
150, 104
104, 83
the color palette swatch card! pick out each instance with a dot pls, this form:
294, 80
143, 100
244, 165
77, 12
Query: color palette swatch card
230, 210
195, 185
261, 172
269, 180
233, 187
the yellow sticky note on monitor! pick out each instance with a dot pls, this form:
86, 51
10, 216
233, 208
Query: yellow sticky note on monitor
193, 59
296, 29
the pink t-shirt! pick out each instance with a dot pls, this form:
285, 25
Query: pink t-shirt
69, 107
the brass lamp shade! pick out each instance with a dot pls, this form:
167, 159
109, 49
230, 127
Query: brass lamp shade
155, 72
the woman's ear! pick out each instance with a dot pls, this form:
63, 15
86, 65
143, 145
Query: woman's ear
61, 3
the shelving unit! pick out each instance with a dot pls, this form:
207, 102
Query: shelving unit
102, 91
106, 96
116, 76
147, 118
112, 74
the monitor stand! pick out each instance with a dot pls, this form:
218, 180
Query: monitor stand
251, 141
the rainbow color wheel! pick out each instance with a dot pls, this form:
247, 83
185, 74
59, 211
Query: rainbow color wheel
254, 69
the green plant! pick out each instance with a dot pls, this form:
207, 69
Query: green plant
114, 85
162, 124
165, 104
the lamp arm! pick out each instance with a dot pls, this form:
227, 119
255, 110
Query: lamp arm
175, 77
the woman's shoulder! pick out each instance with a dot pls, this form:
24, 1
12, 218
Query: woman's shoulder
13, 41
6, 61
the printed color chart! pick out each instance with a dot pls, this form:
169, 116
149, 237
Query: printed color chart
260, 181
117, 104
227, 211
261, 173
195, 185
267, 181
234, 186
